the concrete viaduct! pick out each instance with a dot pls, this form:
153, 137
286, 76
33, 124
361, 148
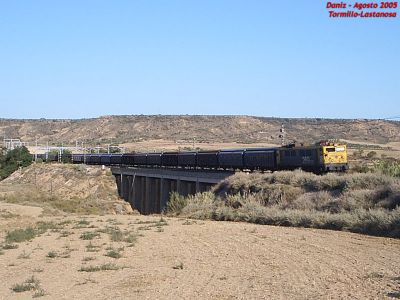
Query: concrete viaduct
148, 189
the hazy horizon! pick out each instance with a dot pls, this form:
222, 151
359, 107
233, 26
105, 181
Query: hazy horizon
394, 118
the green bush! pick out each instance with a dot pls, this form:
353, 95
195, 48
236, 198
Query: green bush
20, 235
66, 157
391, 168
13, 159
176, 203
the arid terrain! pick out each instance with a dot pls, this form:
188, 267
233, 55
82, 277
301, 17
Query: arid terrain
174, 258
143, 133
58, 241
201, 129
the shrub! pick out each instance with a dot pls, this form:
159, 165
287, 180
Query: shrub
28, 285
391, 168
114, 254
104, 267
363, 203
89, 235
9, 246
116, 235
52, 254
20, 235
92, 248
176, 203
13, 159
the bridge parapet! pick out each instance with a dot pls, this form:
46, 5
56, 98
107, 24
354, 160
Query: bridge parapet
148, 189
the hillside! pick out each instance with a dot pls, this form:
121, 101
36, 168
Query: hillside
208, 129
63, 187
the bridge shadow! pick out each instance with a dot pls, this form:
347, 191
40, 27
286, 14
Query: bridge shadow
148, 190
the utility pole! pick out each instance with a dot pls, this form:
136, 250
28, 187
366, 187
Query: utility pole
47, 150
36, 149
84, 153
282, 135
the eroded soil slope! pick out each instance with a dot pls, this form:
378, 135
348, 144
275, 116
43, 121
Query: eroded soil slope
69, 188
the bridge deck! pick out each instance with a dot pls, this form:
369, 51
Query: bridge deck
204, 176
148, 189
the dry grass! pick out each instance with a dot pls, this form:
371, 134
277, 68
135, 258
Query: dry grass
104, 267
303, 190
89, 235
362, 203
31, 284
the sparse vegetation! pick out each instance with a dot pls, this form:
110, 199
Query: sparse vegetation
65, 233
38, 270
52, 254
362, 203
89, 235
27, 234
121, 129
7, 215
389, 167
178, 266
131, 238
21, 235
8, 246
39, 293
151, 224
104, 267
24, 255
33, 186
82, 223
113, 253
42, 227
188, 222
117, 235
92, 248
28, 285
88, 258
176, 203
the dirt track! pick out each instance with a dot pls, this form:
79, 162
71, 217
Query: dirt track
203, 260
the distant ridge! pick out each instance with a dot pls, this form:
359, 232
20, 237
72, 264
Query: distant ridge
243, 129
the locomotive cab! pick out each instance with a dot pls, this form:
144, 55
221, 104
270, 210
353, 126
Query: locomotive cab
333, 156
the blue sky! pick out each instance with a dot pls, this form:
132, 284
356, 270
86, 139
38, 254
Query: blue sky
76, 59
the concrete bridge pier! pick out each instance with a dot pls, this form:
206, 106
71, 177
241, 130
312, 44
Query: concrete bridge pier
148, 190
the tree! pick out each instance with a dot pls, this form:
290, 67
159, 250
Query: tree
66, 156
13, 159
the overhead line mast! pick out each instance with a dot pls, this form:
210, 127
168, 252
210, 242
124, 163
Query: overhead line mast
282, 135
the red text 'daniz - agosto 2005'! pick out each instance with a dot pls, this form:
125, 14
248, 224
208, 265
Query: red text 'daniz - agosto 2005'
362, 9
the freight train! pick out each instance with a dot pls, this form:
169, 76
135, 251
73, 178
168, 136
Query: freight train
321, 157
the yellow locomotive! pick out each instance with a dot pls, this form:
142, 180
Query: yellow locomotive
324, 156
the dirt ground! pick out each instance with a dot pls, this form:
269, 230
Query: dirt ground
171, 258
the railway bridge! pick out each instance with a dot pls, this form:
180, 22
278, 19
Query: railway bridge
148, 189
